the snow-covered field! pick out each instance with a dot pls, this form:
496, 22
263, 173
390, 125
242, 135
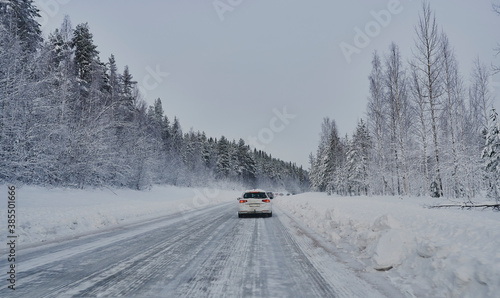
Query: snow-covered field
45, 215
425, 252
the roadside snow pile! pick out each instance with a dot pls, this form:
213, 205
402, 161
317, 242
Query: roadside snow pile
425, 252
49, 214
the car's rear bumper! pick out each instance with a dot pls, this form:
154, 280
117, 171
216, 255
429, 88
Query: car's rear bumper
260, 208
255, 212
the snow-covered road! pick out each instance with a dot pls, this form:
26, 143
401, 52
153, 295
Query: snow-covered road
202, 253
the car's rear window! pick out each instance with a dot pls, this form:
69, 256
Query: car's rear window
254, 195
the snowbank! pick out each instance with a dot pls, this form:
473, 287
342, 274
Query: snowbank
425, 252
49, 214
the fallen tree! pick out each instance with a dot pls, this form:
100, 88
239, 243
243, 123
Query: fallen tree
495, 206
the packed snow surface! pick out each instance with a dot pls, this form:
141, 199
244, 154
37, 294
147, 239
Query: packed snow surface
425, 252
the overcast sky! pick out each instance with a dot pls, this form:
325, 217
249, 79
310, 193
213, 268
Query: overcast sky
268, 71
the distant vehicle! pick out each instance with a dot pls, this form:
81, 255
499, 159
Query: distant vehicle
270, 195
255, 202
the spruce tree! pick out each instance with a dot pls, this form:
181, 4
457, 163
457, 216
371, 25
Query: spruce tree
85, 51
223, 165
19, 18
491, 156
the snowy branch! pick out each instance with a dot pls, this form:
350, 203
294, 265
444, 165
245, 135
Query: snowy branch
467, 206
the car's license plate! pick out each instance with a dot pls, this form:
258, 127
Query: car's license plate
254, 205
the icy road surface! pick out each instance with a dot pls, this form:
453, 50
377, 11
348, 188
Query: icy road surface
204, 253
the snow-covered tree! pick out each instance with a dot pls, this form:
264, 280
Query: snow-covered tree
20, 72
113, 82
329, 156
66, 119
453, 114
496, 9
18, 17
480, 97
429, 75
420, 131
329, 159
245, 164
397, 102
358, 160
314, 178
491, 157
377, 124
223, 165
85, 51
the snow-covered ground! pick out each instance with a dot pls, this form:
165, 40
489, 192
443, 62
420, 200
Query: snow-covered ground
45, 215
426, 252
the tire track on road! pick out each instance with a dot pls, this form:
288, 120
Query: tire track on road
209, 253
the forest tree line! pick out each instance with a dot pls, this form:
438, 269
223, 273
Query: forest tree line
69, 119
427, 132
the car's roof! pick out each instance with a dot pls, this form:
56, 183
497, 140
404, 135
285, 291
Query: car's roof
254, 190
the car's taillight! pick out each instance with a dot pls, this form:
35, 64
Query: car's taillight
243, 201
266, 201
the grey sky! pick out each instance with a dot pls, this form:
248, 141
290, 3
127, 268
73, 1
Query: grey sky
268, 71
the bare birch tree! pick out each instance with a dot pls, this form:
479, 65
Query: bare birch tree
421, 128
453, 99
396, 95
377, 126
480, 94
428, 70
496, 68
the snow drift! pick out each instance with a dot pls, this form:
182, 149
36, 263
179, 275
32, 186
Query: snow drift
425, 252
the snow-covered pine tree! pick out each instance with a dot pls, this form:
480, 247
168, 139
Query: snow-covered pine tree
19, 18
491, 157
209, 154
128, 88
245, 164
175, 165
19, 40
338, 181
85, 51
358, 160
223, 164
177, 139
113, 82
313, 176
335, 161
326, 154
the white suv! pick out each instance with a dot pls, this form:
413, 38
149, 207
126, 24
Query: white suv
255, 202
